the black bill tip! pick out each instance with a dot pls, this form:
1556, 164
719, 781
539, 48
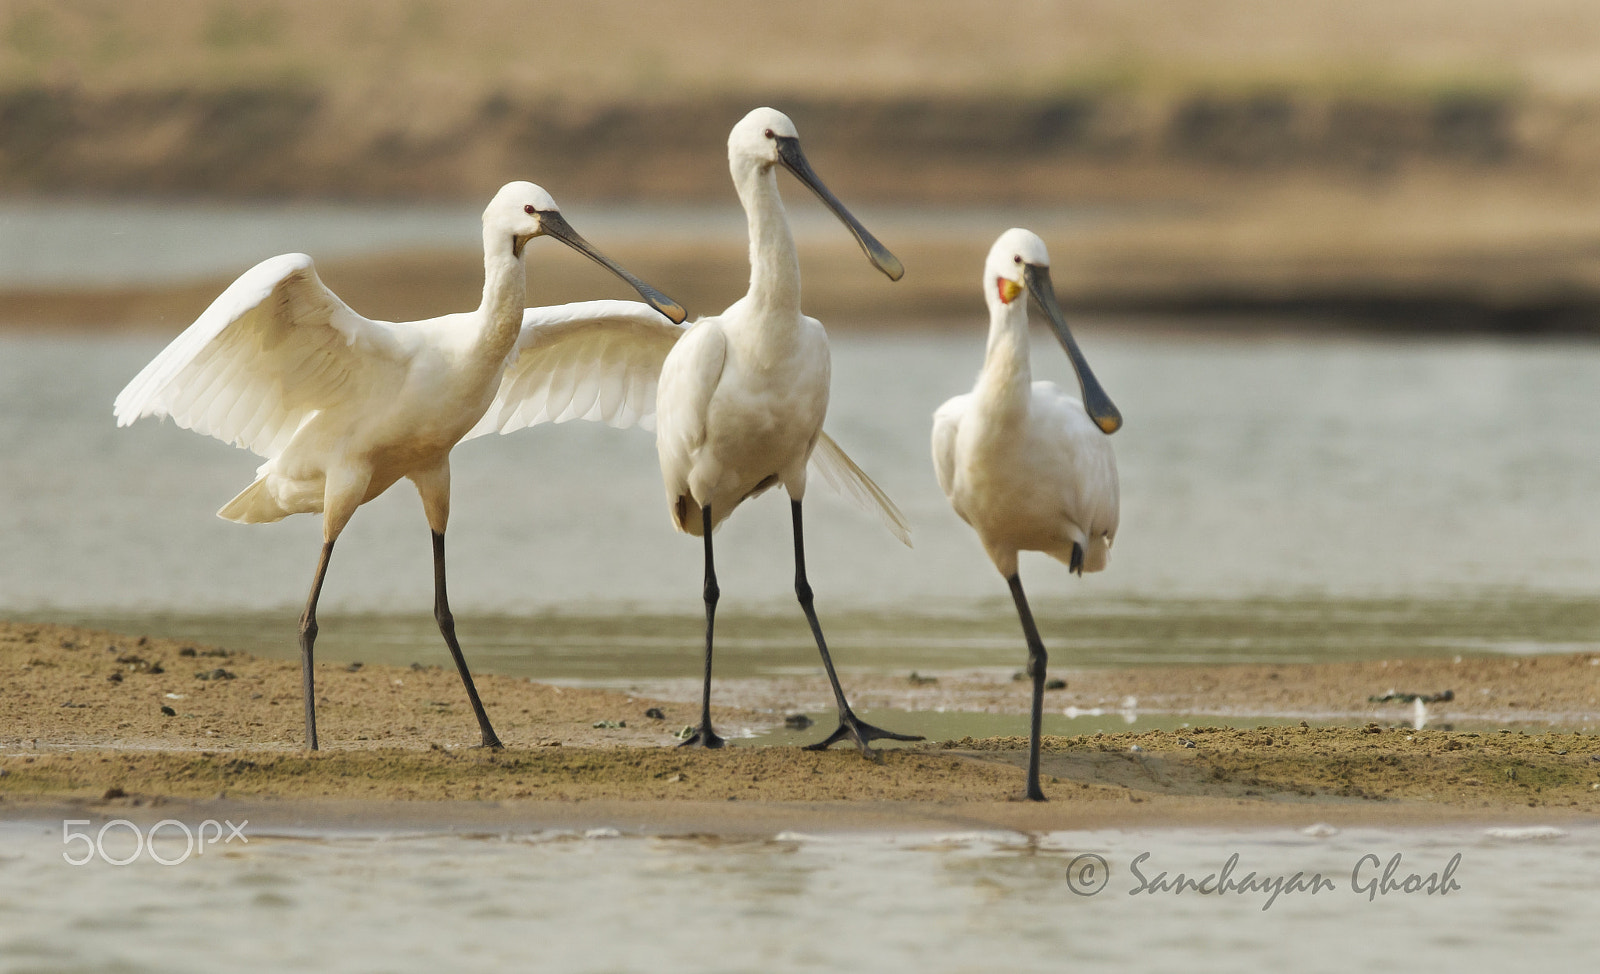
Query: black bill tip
795, 161
1102, 411
554, 224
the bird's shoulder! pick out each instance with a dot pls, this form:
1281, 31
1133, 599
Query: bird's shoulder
951, 410
699, 353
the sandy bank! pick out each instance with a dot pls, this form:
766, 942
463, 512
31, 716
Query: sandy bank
83, 724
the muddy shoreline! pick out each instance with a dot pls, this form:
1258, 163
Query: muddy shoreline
1426, 167
1457, 256
84, 727
1442, 212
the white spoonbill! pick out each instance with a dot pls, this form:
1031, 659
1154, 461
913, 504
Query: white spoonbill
341, 406
743, 394
1023, 462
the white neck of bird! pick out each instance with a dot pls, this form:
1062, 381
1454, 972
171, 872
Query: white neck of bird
505, 289
1006, 381
774, 265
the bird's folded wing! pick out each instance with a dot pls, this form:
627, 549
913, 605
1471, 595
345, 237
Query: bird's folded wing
272, 350
946, 423
594, 360
689, 380
841, 473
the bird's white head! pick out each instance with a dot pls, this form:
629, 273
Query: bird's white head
765, 138
1004, 271
754, 140
516, 214
1019, 262
522, 211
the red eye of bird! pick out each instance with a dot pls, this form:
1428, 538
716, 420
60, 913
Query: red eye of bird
528, 208
769, 133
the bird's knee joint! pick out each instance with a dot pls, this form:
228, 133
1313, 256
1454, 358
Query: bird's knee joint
711, 593
444, 618
1036, 664
802, 591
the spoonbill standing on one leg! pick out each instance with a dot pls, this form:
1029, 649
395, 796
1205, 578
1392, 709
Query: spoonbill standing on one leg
743, 394
1028, 466
342, 406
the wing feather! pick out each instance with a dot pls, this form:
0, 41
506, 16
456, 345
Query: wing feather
838, 471
270, 351
594, 360
946, 423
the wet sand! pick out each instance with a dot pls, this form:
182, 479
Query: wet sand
82, 727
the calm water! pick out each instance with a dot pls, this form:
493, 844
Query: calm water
1288, 499
976, 902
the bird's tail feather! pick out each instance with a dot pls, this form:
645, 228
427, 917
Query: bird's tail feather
850, 481
1096, 555
253, 505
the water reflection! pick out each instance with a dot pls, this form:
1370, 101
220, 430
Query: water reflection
556, 898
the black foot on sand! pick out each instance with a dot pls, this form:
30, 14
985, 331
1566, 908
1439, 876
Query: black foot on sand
858, 730
703, 737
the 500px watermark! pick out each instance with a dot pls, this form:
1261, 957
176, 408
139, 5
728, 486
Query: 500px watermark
1372, 877
87, 844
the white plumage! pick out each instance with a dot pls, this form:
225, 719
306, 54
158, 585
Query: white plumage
602, 361
342, 406
593, 360
271, 350
743, 394
1026, 464
1031, 474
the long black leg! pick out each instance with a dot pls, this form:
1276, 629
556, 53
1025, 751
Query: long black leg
1036, 665
447, 628
849, 724
308, 640
704, 736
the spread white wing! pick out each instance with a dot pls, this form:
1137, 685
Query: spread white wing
269, 352
594, 360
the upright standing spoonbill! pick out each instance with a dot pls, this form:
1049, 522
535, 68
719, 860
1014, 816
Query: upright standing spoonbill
743, 394
341, 406
1024, 463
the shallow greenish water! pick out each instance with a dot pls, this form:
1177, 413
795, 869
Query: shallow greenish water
954, 725
614, 649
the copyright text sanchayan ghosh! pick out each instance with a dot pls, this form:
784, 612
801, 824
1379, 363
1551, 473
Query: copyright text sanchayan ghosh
1371, 876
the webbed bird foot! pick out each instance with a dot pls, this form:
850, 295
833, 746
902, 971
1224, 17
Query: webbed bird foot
703, 736
862, 733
